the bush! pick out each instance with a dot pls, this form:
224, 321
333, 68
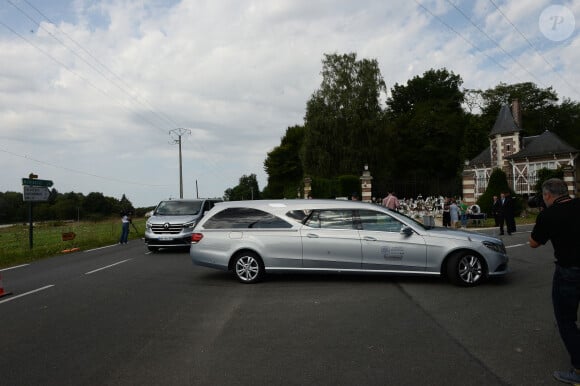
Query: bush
497, 184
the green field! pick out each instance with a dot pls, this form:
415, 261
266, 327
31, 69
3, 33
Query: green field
48, 240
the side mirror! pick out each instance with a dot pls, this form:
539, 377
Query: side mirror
407, 231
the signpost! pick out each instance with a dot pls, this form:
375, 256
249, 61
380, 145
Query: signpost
35, 193
36, 182
34, 190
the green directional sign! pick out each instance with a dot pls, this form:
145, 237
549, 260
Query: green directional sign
36, 182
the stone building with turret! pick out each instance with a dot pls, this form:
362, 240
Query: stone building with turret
519, 157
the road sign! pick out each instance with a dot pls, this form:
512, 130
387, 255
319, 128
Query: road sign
35, 193
36, 182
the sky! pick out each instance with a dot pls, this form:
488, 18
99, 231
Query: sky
95, 94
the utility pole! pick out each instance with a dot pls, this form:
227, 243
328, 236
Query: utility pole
179, 133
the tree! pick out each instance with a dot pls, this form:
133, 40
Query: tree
283, 165
247, 189
68, 206
12, 208
497, 184
546, 174
536, 104
426, 125
97, 203
565, 121
343, 118
125, 205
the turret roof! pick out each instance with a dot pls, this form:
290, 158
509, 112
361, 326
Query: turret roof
505, 123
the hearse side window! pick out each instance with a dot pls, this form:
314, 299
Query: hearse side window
378, 221
299, 215
245, 218
331, 219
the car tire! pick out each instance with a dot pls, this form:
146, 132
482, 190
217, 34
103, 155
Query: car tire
466, 269
248, 267
153, 249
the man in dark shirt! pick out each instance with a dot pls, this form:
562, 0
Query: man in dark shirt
560, 223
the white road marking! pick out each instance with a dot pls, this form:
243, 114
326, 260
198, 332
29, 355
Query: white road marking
516, 245
108, 266
96, 249
24, 294
17, 266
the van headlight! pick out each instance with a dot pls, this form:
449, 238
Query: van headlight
494, 246
148, 225
188, 225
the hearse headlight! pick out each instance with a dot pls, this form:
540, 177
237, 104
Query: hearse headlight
500, 248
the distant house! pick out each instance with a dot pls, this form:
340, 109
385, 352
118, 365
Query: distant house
519, 157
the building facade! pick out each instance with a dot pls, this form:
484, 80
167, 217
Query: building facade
519, 157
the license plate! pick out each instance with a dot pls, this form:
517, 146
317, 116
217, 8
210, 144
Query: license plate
165, 238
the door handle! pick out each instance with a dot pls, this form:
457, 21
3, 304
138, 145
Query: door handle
368, 238
312, 235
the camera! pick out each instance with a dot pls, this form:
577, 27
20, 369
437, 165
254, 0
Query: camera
536, 201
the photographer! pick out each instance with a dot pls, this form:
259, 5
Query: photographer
560, 222
125, 222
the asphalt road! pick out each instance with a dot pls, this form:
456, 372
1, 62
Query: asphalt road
122, 316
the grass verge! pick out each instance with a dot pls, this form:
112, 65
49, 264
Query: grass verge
48, 240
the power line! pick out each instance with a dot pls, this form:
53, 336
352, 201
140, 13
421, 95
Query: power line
494, 42
534, 48
126, 88
87, 62
41, 162
463, 37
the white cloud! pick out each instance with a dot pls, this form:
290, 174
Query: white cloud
237, 73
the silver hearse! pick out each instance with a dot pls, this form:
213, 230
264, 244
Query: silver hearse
252, 238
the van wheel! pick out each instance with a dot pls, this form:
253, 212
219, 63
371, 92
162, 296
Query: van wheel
466, 269
248, 267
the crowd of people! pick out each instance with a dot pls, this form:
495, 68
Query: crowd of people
453, 211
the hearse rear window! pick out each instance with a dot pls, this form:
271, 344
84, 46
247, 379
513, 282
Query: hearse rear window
244, 218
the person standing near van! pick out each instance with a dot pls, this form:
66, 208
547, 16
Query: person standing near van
125, 223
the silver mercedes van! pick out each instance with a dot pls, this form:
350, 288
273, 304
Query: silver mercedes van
172, 222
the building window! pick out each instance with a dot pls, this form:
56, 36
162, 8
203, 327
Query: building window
534, 167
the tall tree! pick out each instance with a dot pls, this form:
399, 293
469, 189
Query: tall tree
343, 117
283, 165
96, 202
426, 125
536, 104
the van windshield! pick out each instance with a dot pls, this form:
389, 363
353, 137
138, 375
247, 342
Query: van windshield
178, 208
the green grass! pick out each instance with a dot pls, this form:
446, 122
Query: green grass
47, 239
